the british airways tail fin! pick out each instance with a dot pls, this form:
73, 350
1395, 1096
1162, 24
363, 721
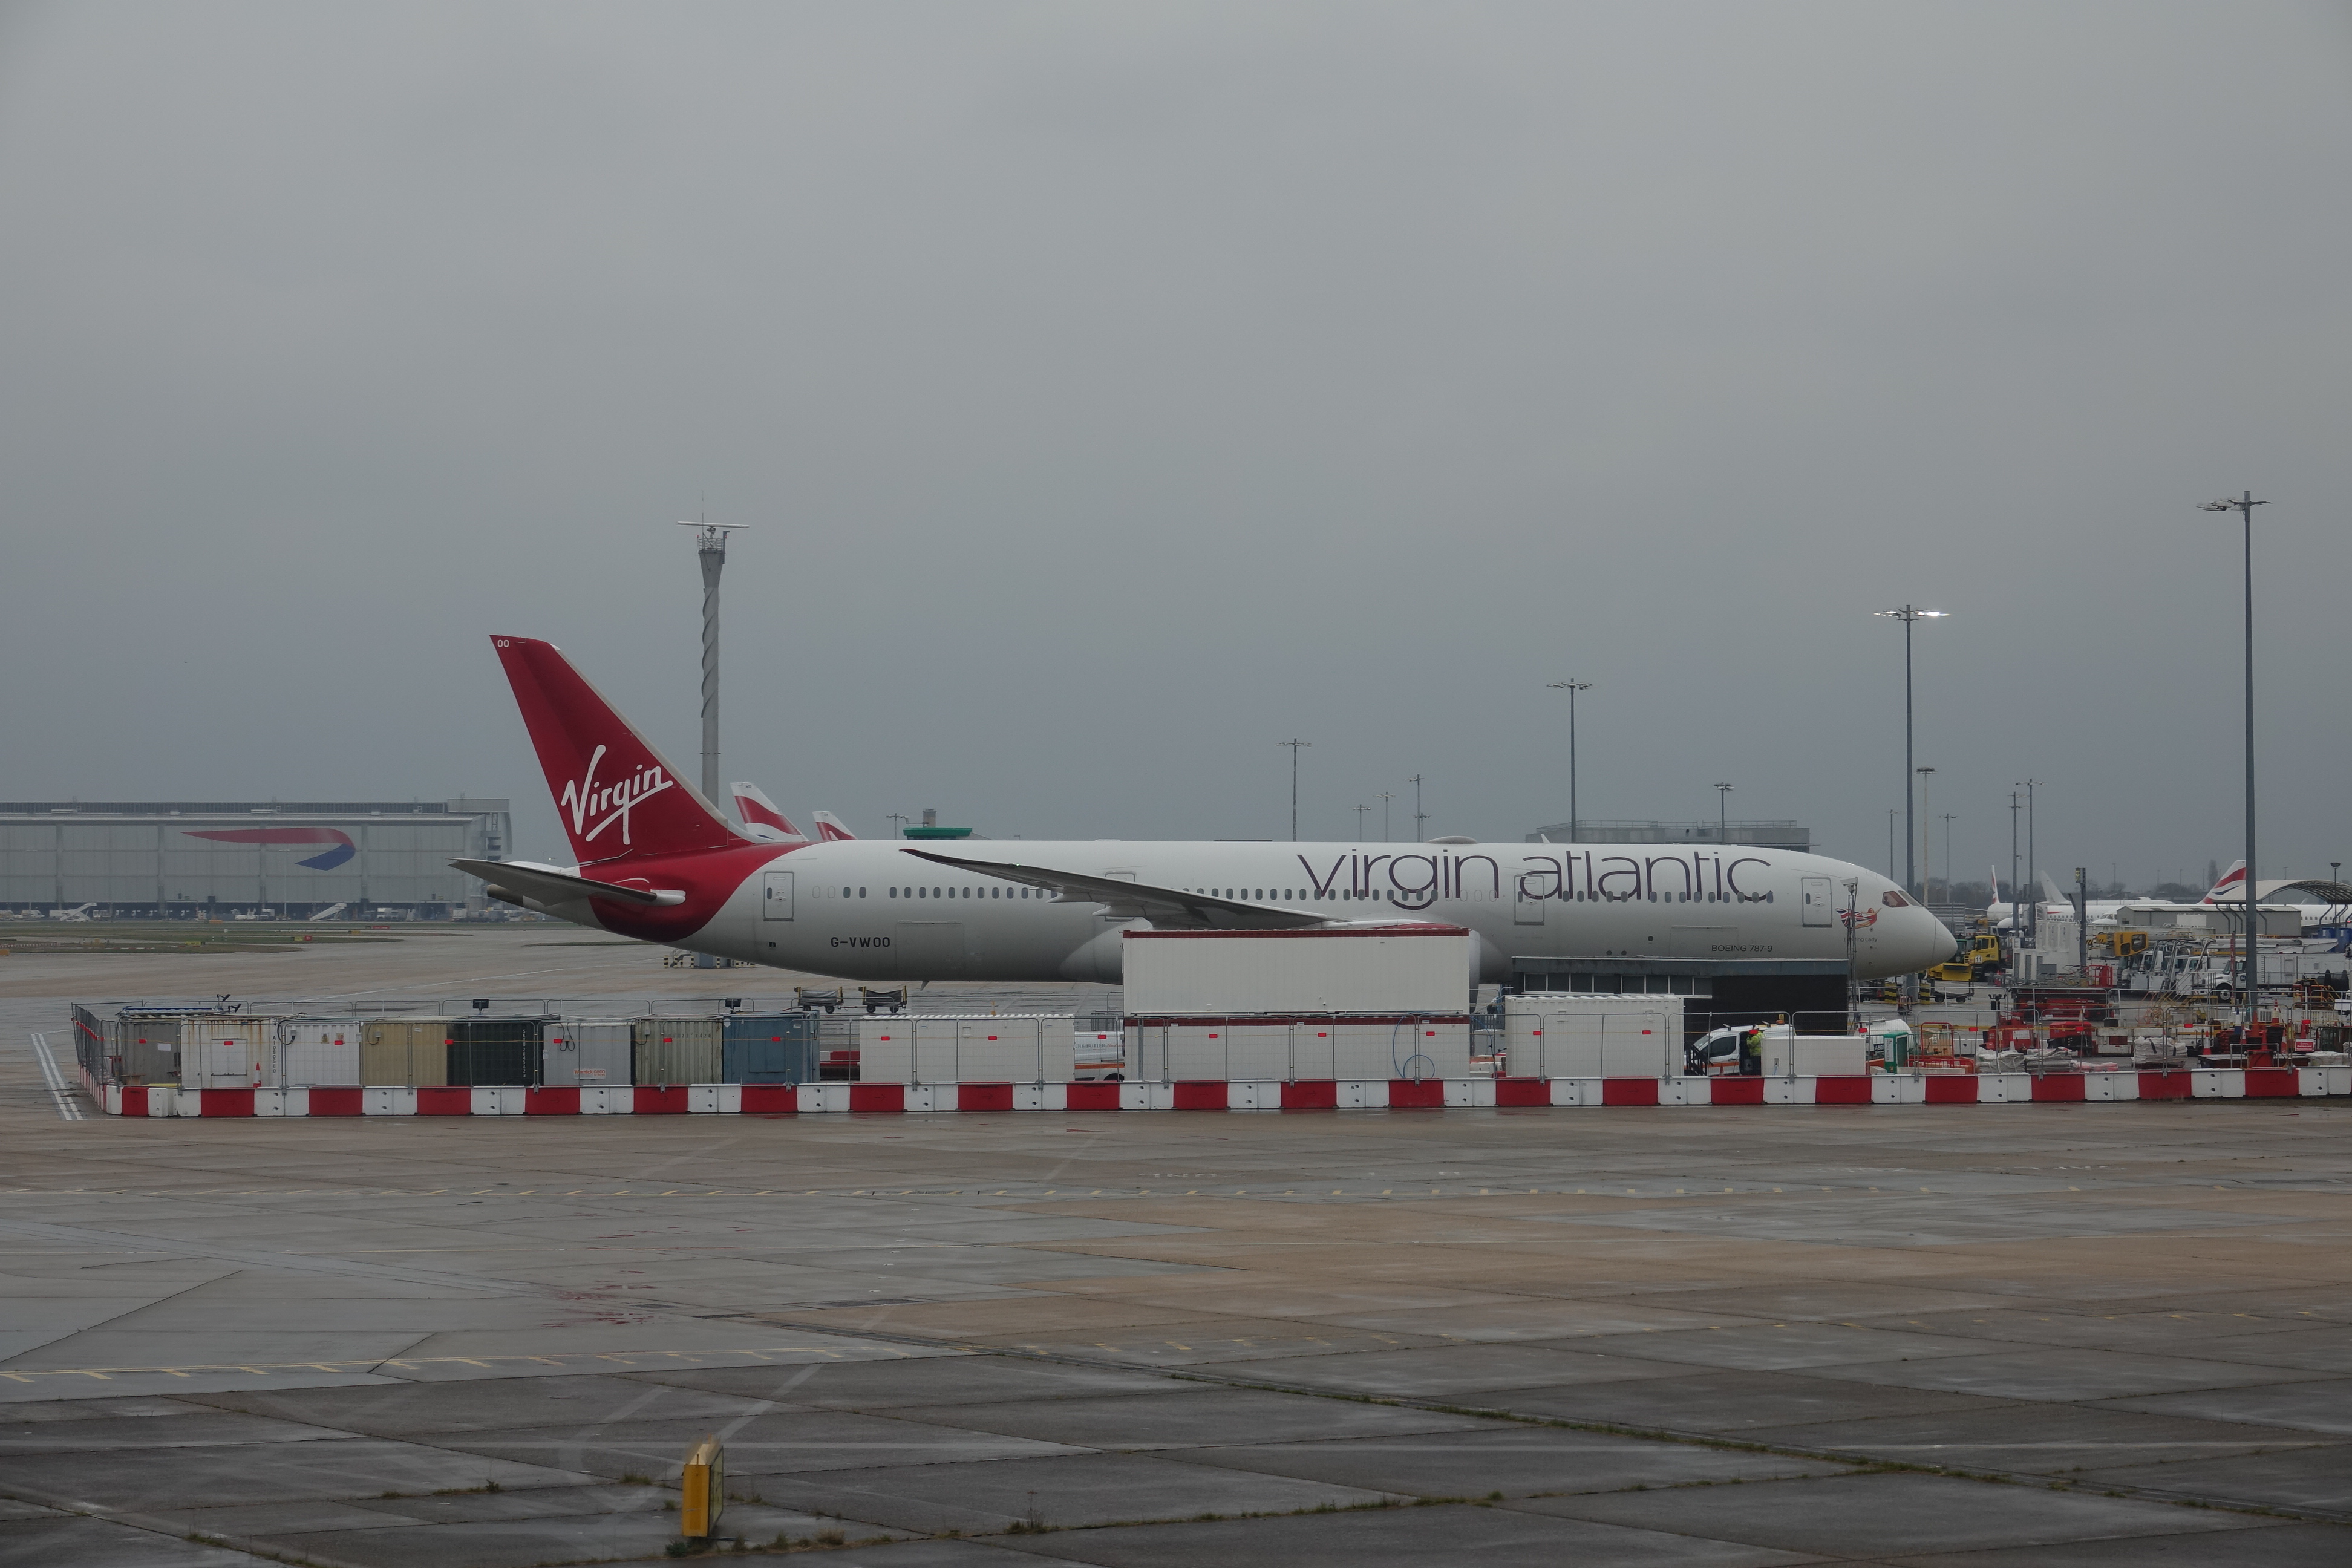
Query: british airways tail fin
831, 829
761, 818
2228, 887
616, 794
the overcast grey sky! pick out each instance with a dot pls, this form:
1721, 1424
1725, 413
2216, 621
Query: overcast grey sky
1116, 391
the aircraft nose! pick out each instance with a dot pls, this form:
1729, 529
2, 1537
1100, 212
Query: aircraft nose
1939, 941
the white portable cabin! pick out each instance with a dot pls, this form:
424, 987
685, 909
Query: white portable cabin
940, 1048
1788, 1054
1583, 1034
1313, 1046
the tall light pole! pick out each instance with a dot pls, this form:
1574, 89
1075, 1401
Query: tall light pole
1296, 746
1722, 815
1928, 866
1360, 822
2244, 507
1419, 817
1909, 616
1571, 686
710, 545
2013, 910
1384, 797
2034, 917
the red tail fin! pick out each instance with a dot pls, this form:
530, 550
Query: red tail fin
616, 794
761, 817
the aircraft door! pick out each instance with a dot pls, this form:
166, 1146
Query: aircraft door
1527, 904
776, 901
1818, 911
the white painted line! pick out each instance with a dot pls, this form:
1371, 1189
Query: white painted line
55, 1080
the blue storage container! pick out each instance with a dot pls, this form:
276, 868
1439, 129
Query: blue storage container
768, 1048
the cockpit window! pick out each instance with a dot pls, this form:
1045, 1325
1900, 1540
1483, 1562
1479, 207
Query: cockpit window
1894, 900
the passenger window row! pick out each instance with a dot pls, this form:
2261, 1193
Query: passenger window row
993, 892
1672, 898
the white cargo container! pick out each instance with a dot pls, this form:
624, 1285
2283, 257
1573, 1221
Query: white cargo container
226, 1053
1388, 970
1197, 1050
315, 1053
1788, 1054
1555, 1034
939, 1048
589, 1054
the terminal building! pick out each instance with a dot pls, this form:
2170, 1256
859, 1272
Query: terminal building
1746, 834
290, 859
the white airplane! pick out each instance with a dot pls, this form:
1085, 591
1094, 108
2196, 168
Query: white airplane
660, 864
2061, 907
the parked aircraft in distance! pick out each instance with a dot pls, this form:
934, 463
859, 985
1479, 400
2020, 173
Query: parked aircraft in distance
763, 821
659, 863
2060, 906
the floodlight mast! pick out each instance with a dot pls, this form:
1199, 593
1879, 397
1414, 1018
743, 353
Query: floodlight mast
711, 544
1572, 686
2244, 506
1909, 616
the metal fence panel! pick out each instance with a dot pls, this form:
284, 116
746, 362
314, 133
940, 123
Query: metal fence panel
405, 1052
675, 1050
589, 1054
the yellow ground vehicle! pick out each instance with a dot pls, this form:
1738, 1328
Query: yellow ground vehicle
1978, 953
2119, 943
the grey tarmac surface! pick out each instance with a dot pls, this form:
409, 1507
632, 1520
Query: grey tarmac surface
1925, 1335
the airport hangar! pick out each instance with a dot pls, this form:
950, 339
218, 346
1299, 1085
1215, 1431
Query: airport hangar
197, 859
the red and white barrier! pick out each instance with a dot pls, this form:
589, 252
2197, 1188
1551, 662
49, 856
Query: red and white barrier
1218, 1094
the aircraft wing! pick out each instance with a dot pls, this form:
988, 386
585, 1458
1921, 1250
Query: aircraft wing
554, 885
1169, 909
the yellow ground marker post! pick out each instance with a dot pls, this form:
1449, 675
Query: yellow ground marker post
703, 1486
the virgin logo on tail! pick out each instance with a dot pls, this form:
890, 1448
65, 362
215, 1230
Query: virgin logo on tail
585, 798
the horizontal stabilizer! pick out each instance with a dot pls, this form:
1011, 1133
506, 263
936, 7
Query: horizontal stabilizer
554, 885
1169, 909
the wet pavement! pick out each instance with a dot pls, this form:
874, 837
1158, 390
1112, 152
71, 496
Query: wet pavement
1984, 1335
